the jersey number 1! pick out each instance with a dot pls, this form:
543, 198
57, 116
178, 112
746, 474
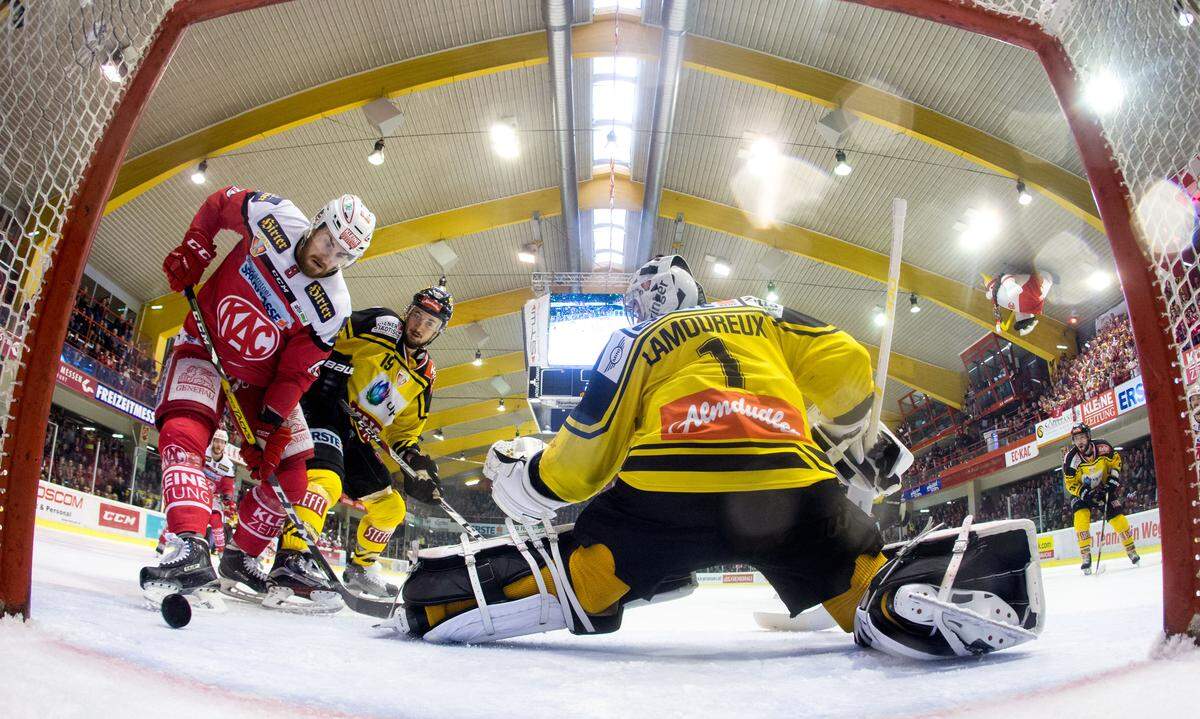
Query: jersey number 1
729, 365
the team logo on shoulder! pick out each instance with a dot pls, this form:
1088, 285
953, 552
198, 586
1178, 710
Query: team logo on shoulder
274, 233
266, 197
258, 247
320, 300
388, 326
379, 391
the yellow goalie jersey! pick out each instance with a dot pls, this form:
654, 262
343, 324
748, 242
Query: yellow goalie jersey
1079, 469
390, 385
709, 399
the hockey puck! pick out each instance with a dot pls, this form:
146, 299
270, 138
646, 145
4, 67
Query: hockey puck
176, 611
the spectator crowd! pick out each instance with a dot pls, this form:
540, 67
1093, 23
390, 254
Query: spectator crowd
100, 342
1107, 360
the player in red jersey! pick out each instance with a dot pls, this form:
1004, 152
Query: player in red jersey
273, 308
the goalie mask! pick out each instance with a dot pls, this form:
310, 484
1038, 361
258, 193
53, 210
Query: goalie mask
660, 286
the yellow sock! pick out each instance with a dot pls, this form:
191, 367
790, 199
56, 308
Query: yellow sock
1121, 525
385, 512
842, 607
1083, 534
324, 488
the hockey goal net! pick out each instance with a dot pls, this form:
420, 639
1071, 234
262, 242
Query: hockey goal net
76, 76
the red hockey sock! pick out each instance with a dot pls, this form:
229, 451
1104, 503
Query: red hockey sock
260, 517
186, 492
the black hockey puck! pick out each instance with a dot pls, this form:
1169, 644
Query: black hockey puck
176, 611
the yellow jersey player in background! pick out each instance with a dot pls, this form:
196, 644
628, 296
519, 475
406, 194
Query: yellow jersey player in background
381, 368
697, 417
1092, 476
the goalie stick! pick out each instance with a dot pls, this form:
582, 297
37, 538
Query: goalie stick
367, 431
355, 602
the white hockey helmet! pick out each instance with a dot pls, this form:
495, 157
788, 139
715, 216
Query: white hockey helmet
221, 435
350, 223
662, 285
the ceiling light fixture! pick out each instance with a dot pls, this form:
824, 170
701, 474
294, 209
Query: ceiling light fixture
500, 405
472, 482
438, 435
772, 292
842, 168
913, 307
199, 176
528, 253
505, 142
1183, 14
1103, 91
879, 318
1023, 196
377, 157
478, 361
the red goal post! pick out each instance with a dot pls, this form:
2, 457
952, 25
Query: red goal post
1127, 156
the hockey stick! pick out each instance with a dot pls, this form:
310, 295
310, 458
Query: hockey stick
899, 211
1103, 521
353, 601
368, 431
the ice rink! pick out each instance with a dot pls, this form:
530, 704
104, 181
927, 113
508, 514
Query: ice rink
93, 649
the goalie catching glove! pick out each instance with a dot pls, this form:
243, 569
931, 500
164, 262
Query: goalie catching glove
508, 466
878, 467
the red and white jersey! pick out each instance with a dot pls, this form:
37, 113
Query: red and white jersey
220, 472
273, 325
218, 469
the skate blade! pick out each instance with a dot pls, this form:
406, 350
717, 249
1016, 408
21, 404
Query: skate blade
319, 602
1011, 634
207, 599
239, 591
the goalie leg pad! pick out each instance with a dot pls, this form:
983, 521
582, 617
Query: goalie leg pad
955, 593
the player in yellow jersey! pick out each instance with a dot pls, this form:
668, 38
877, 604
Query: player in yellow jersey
697, 416
381, 368
1092, 476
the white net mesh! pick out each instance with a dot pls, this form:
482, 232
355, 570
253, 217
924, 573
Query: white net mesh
63, 66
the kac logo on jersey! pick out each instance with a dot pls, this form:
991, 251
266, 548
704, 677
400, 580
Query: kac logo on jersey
246, 329
320, 300
379, 391
273, 231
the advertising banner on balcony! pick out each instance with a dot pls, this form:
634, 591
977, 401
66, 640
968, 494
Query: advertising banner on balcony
82, 383
1130, 395
1099, 409
1053, 429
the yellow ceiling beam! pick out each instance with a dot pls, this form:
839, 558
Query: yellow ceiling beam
467, 372
458, 445
964, 300
944, 385
475, 411
702, 54
485, 308
1068, 190
158, 326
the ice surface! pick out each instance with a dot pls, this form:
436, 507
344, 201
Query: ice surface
93, 649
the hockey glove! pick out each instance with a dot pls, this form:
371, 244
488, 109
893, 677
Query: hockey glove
334, 377
423, 484
264, 456
185, 265
507, 466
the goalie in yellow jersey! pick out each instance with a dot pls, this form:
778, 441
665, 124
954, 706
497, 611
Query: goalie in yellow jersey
379, 367
697, 416
1092, 476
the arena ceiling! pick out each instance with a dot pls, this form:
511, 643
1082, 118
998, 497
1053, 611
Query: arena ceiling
272, 98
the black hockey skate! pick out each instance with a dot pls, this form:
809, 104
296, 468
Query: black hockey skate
297, 584
183, 568
1134, 557
241, 576
368, 581
1087, 564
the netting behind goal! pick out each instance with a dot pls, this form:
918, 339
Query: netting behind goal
76, 75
